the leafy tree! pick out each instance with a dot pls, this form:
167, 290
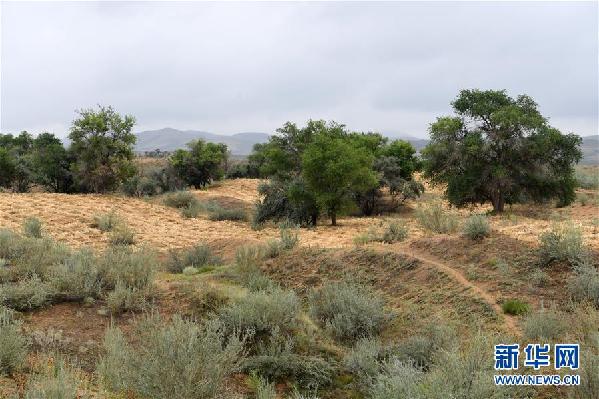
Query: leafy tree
50, 163
102, 146
334, 170
501, 150
7, 168
16, 172
201, 164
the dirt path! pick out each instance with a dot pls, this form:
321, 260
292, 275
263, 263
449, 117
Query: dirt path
509, 321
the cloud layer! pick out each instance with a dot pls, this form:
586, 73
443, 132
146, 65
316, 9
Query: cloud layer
232, 67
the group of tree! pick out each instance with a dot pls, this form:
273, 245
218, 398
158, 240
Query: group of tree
324, 169
100, 159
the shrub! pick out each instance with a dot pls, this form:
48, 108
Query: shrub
122, 235
365, 361
28, 294
55, 381
273, 249
419, 350
77, 277
394, 232
198, 256
589, 181
288, 236
13, 345
191, 211
177, 360
264, 389
348, 311
207, 301
124, 299
562, 244
515, 307
399, 380
135, 269
180, 199
227, 214
477, 227
584, 284
436, 219
106, 221
32, 227
262, 314
546, 325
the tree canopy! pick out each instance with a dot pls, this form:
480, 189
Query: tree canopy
201, 164
500, 150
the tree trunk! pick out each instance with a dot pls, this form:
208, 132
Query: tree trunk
334, 219
498, 202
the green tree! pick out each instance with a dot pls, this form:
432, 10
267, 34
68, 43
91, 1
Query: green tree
50, 163
16, 173
334, 170
201, 164
501, 150
7, 168
102, 146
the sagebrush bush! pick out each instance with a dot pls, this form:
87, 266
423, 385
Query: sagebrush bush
539, 278
562, 244
180, 199
349, 312
122, 235
394, 232
233, 214
207, 300
55, 380
191, 211
546, 325
436, 219
515, 307
177, 360
77, 277
106, 221
419, 350
197, 256
13, 344
262, 313
264, 389
584, 283
288, 236
134, 268
365, 362
127, 299
32, 227
477, 227
27, 294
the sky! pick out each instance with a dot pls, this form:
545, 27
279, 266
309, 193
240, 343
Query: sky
389, 67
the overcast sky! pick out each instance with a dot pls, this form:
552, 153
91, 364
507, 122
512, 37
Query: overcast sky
236, 67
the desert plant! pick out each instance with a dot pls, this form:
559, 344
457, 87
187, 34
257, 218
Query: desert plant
122, 235
398, 380
584, 283
365, 362
197, 256
134, 268
207, 300
13, 345
106, 221
199, 357
234, 214
288, 236
394, 232
127, 299
28, 294
436, 219
545, 324
77, 277
264, 389
538, 278
55, 381
562, 244
192, 210
180, 199
262, 313
349, 312
515, 307
32, 227
477, 227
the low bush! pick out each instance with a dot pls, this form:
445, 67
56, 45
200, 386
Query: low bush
562, 244
180, 199
262, 314
436, 219
127, 299
106, 221
191, 211
206, 301
477, 227
288, 236
234, 214
77, 277
27, 294
365, 362
177, 360
349, 312
32, 227
394, 232
198, 256
419, 350
545, 325
538, 278
122, 235
588, 180
134, 268
54, 381
515, 307
13, 345
584, 283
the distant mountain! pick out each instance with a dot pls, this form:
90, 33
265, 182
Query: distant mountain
169, 139
590, 150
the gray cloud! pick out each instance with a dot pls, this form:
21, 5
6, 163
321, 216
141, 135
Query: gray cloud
230, 67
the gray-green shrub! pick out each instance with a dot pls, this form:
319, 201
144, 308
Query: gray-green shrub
56, 381
180, 199
134, 268
584, 283
122, 235
13, 345
124, 299
562, 244
178, 360
77, 277
436, 219
546, 324
233, 214
348, 311
477, 227
106, 221
27, 294
32, 227
394, 232
197, 256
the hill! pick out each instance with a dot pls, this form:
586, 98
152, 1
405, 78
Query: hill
590, 150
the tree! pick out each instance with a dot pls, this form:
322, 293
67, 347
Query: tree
334, 170
102, 147
16, 173
50, 163
201, 164
500, 150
